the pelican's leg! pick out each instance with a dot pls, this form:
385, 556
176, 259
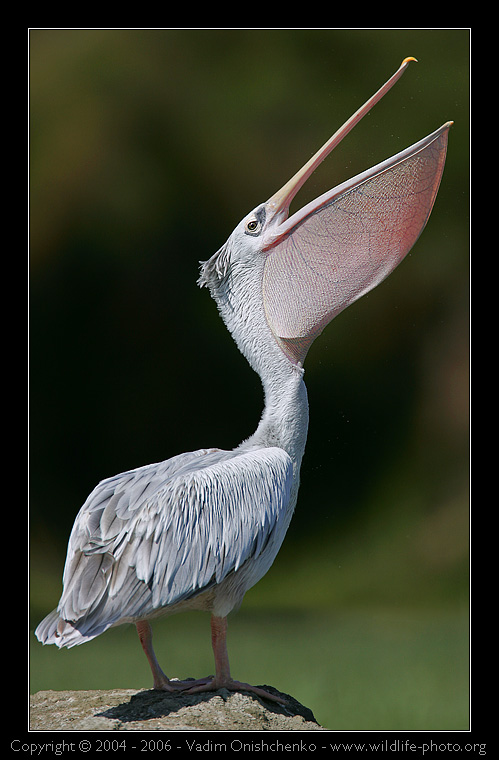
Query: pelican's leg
219, 645
222, 679
161, 682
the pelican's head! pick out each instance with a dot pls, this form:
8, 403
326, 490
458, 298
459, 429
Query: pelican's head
308, 267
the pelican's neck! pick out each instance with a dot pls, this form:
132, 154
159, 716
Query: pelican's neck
235, 282
284, 422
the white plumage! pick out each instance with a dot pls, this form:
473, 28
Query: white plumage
198, 530
167, 533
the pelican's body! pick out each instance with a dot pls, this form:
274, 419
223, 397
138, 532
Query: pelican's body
198, 530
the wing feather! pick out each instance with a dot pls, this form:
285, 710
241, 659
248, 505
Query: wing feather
155, 536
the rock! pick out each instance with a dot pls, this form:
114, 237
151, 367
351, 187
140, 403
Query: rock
131, 710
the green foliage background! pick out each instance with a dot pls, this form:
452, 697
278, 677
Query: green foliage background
146, 148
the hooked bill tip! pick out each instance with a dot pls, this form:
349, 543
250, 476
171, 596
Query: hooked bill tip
408, 60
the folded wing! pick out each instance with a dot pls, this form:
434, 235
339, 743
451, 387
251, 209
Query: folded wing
155, 536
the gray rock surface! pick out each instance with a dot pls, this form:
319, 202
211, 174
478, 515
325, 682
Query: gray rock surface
131, 710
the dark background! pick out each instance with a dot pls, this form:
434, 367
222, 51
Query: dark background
146, 149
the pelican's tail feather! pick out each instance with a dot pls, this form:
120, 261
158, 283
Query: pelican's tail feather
64, 633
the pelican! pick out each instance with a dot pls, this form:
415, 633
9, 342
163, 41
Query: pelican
200, 529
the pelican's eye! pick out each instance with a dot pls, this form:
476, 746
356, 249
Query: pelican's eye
255, 222
253, 226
